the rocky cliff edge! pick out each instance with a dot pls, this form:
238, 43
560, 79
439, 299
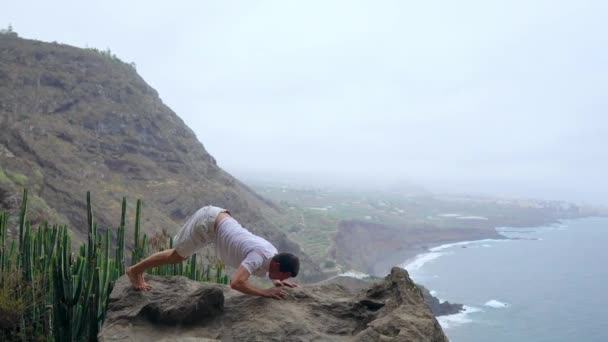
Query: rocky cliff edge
178, 309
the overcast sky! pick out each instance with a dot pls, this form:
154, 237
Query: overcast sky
506, 97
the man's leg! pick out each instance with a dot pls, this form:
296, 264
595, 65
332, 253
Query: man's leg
182, 242
136, 272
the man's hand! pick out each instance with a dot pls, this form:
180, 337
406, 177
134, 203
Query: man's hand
275, 293
279, 283
239, 282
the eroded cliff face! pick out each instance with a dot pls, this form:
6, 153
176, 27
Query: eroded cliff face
374, 248
73, 120
178, 309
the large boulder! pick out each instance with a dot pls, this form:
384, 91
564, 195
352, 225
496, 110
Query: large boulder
179, 309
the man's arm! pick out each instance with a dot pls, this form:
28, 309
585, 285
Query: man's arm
239, 283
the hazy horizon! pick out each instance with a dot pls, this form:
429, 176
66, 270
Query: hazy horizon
503, 99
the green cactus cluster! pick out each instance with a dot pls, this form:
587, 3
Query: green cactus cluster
66, 294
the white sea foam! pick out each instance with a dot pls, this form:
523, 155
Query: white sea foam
462, 243
486, 245
419, 261
460, 318
472, 217
555, 226
462, 217
449, 215
354, 274
434, 294
496, 304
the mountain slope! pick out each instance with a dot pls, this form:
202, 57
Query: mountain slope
73, 120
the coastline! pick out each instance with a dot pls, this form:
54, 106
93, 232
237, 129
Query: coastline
417, 258
496, 292
402, 258
414, 259
406, 257
374, 248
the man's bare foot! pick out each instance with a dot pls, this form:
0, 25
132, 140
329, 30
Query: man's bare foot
147, 286
137, 280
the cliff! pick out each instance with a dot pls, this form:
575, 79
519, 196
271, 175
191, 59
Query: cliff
179, 309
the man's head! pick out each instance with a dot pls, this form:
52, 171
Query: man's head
283, 266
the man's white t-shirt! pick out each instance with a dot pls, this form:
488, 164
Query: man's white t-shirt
237, 246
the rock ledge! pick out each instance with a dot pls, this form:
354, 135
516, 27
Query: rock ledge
178, 309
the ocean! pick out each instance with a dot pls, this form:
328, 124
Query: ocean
540, 284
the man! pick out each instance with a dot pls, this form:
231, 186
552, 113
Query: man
235, 246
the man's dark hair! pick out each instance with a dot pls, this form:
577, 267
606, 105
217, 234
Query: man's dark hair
288, 263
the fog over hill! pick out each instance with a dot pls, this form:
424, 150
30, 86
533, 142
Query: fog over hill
503, 98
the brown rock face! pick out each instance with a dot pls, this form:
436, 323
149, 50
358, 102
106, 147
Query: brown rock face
73, 120
390, 310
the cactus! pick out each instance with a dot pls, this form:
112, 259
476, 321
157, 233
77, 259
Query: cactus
4, 257
120, 238
69, 294
143, 249
93, 306
22, 216
193, 267
135, 254
26, 252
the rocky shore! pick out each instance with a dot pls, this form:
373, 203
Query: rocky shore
438, 307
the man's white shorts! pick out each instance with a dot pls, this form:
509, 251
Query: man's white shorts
197, 232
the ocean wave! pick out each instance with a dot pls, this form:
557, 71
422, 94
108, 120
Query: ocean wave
463, 243
419, 261
434, 294
496, 304
472, 217
354, 274
523, 230
526, 238
460, 318
515, 231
